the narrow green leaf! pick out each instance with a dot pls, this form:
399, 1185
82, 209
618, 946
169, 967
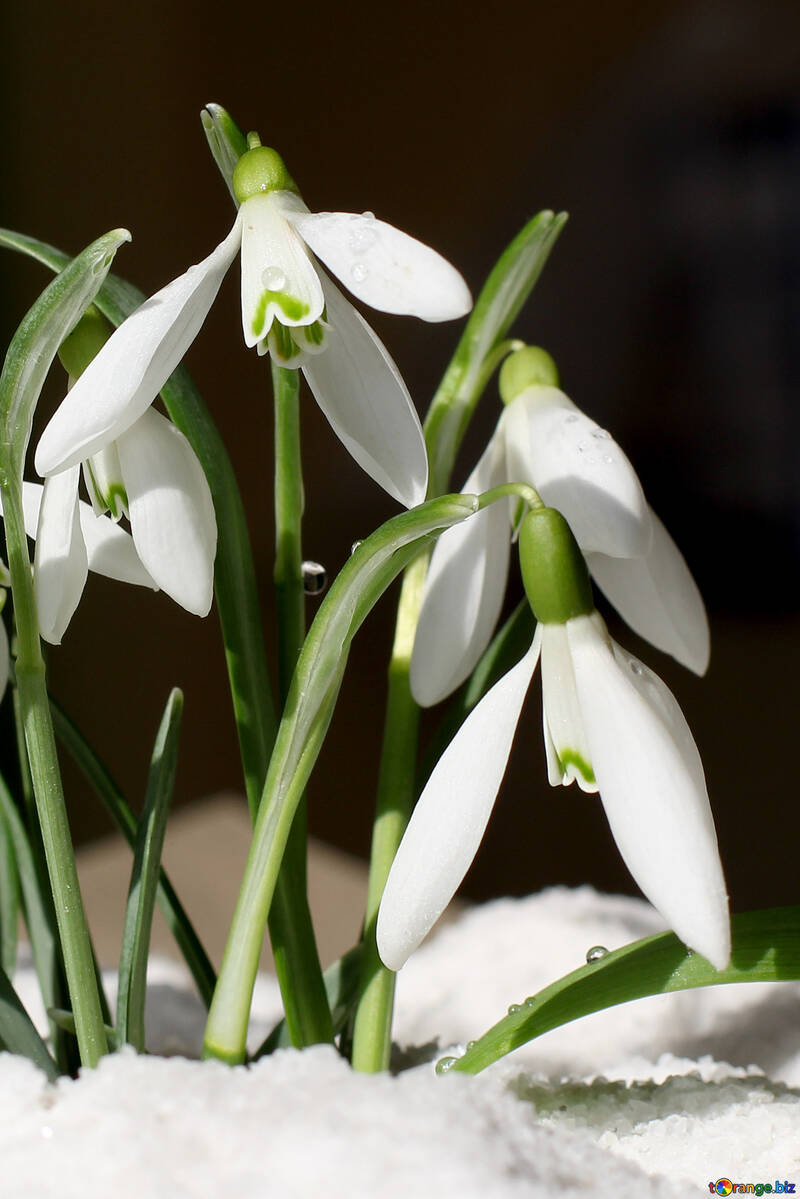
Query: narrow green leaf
234, 573
766, 948
144, 877
9, 900
508, 645
503, 295
36, 341
341, 987
109, 794
225, 140
66, 1021
18, 1033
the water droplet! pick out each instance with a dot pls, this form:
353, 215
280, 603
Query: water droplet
273, 278
368, 216
582, 447
359, 272
530, 1001
444, 1064
596, 953
471, 1044
601, 434
355, 546
609, 461
571, 418
636, 667
514, 1008
315, 578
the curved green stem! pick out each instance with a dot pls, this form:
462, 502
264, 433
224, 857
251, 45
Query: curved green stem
291, 931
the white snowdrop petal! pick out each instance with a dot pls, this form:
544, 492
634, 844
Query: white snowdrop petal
652, 788
279, 279
657, 596
110, 549
361, 393
384, 267
569, 758
171, 512
134, 364
60, 562
449, 820
578, 468
464, 590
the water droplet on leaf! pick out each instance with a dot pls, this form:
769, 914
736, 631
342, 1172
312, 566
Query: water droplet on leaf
355, 546
444, 1064
596, 953
514, 1008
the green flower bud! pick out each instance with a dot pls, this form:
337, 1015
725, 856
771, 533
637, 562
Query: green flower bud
261, 170
84, 342
553, 568
529, 367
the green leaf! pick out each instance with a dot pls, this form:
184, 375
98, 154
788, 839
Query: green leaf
18, 1033
117, 807
65, 1020
36, 342
225, 140
144, 877
766, 948
480, 349
234, 574
341, 987
507, 647
9, 900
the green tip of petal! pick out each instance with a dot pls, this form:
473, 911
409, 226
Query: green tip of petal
553, 568
84, 342
261, 169
529, 367
571, 758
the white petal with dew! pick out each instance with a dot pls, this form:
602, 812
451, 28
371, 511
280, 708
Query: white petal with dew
568, 755
578, 468
110, 549
279, 280
653, 789
384, 267
450, 818
60, 562
361, 393
134, 364
171, 512
464, 589
657, 596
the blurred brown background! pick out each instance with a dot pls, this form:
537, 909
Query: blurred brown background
670, 132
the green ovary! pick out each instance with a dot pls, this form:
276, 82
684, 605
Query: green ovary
570, 757
292, 308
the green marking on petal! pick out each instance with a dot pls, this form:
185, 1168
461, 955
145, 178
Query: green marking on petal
571, 757
292, 308
282, 345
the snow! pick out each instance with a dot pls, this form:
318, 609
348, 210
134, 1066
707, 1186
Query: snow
656, 1098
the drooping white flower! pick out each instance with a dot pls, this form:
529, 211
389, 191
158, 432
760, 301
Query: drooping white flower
291, 309
72, 543
544, 440
611, 725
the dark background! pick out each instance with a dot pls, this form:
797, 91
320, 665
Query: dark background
671, 133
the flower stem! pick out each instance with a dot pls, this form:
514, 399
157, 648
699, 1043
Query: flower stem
294, 946
395, 799
43, 759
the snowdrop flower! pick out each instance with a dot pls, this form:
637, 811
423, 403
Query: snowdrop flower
543, 439
88, 542
611, 725
291, 309
150, 474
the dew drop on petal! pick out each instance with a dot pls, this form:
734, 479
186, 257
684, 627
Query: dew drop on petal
315, 578
359, 272
273, 279
444, 1064
601, 434
609, 461
636, 667
596, 953
368, 216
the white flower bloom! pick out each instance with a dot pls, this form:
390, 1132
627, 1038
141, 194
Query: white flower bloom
72, 542
291, 309
543, 439
613, 726
151, 474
